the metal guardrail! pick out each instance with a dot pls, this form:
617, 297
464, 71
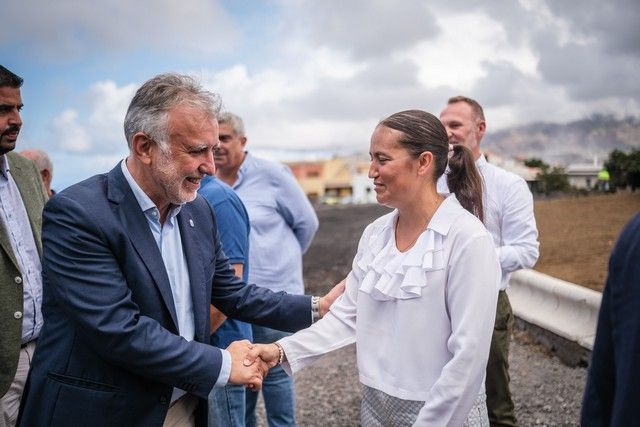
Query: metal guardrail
563, 308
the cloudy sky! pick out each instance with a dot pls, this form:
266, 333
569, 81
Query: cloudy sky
313, 75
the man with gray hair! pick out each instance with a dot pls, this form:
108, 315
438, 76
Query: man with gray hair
283, 222
44, 165
132, 262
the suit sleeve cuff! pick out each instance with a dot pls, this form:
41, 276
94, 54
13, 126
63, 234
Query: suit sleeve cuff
225, 369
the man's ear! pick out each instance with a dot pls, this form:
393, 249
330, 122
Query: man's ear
243, 141
425, 163
482, 127
142, 147
46, 176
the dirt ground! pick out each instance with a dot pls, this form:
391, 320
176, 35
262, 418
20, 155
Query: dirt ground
577, 235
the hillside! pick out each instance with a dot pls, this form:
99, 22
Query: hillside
563, 144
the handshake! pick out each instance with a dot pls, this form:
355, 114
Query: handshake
251, 362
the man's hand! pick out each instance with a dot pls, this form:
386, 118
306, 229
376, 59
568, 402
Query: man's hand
331, 296
268, 353
242, 372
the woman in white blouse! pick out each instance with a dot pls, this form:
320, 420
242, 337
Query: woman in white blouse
421, 296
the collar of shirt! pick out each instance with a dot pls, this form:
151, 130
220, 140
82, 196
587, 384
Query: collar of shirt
442, 219
481, 162
146, 204
243, 169
445, 215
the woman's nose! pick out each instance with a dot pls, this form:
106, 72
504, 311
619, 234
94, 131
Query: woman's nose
373, 171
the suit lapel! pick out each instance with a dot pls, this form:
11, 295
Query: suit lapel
137, 227
192, 253
33, 204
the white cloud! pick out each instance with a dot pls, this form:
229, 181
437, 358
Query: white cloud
271, 101
266, 88
298, 73
108, 106
329, 63
99, 129
457, 58
310, 133
108, 101
70, 134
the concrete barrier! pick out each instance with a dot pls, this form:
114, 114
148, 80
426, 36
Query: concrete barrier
563, 308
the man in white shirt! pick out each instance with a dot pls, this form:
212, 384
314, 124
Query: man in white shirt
508, 211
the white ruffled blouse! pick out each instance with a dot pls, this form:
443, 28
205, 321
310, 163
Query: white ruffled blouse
421, 319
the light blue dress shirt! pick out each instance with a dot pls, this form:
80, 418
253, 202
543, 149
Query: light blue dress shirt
283, 223
14, 218
169, 241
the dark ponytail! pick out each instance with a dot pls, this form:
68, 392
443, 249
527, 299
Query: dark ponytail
464, 180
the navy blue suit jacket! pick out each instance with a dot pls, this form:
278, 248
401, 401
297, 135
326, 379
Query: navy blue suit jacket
109, 352
612, 393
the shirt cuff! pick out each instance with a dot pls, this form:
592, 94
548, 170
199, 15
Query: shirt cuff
285, 364
225, 369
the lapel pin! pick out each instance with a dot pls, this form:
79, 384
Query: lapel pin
191, 222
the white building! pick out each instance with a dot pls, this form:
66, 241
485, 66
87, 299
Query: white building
584, 175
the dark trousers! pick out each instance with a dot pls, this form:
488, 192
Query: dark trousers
499, 402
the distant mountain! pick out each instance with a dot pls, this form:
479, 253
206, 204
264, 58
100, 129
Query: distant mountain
563, 144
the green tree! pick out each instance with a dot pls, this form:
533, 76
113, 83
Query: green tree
624, 169
534, 162
633, 169
552, 179
617, 166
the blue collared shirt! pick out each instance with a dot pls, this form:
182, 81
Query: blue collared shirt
283, 222
14, 218
169, 242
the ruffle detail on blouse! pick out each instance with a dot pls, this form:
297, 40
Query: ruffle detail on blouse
390, 274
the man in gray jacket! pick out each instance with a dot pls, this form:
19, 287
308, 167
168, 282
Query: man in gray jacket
22, 198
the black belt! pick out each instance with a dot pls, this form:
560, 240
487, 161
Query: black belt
27, 343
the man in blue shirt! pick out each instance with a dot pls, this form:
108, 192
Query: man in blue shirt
283, 222
227, 404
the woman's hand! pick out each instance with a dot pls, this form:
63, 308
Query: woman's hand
269, 353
